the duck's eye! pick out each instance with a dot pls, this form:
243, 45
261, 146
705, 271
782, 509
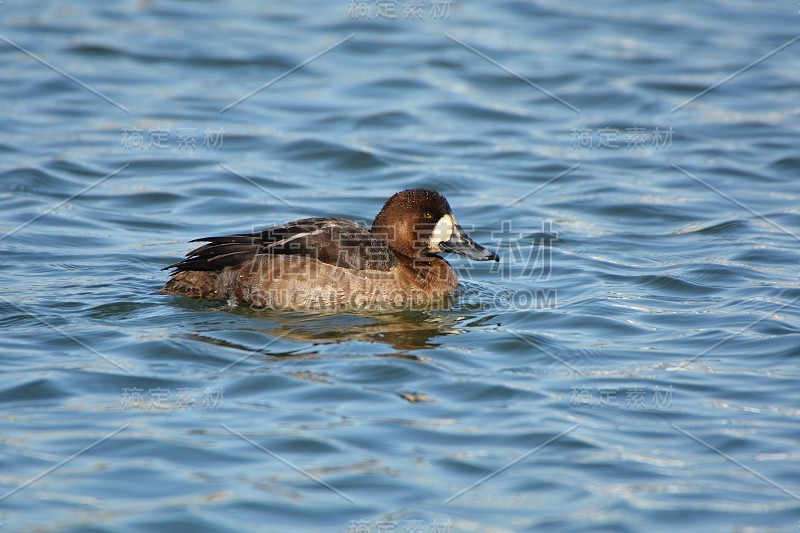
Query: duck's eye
427, 214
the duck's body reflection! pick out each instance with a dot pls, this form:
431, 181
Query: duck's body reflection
399, 335
402, 331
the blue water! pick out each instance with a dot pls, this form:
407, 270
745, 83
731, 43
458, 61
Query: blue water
631, 365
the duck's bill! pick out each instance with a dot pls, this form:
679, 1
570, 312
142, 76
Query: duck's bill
462, 244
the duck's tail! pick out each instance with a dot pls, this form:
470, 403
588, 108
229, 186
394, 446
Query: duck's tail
196, 276
194, 284
218, 253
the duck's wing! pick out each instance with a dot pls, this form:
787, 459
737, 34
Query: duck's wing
336, 241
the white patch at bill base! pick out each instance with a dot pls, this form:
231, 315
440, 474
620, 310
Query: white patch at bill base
442, 232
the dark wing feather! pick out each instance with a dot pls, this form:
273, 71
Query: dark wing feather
331, 240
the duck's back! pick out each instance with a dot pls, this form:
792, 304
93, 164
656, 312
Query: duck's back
335, 241
322, 260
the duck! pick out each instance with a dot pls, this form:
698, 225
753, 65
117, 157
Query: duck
334, 262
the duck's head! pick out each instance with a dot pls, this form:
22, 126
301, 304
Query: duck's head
419, 223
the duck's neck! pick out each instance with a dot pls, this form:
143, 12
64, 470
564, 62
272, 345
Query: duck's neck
428, 273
